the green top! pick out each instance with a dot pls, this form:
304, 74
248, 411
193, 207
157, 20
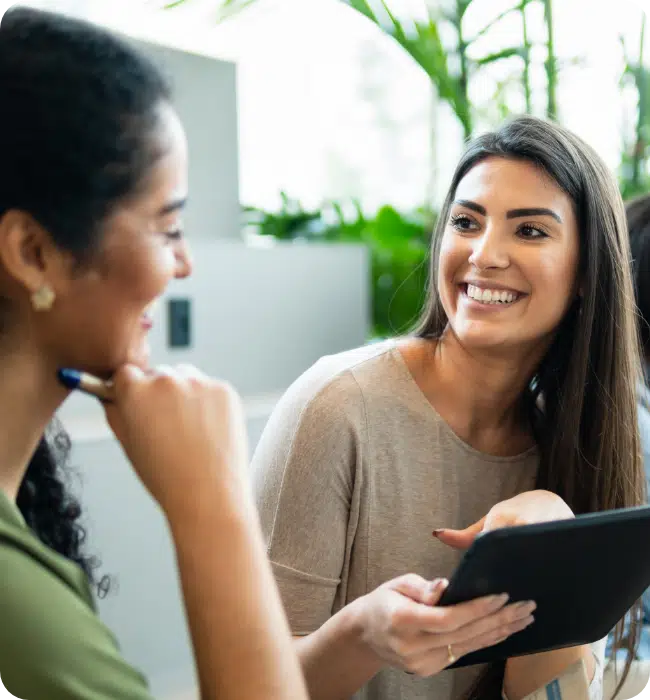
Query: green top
53, 645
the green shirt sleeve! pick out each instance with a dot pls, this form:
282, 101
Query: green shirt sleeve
52, 644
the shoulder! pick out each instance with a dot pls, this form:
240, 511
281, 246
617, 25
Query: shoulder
38, 602
51, 639
335, 384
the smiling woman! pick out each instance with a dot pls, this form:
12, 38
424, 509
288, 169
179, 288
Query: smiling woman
513, 398
530, 253
93, 180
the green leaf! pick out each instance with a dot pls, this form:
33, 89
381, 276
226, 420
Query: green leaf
425, 46
505, 53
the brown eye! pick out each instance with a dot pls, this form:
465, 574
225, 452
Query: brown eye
531, 232
463, 223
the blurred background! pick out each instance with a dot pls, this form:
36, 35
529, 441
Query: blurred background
323, 135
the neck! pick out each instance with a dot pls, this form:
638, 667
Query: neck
479, 394
30, 395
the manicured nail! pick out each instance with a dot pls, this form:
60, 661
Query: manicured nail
526, 606
495, 602
439, 531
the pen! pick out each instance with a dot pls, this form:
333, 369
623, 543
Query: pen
88, 383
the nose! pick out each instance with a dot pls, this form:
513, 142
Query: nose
184, 262
490, 250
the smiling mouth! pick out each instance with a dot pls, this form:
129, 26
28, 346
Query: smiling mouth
494, 297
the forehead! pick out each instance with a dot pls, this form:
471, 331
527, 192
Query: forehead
167, 179
503, 183
165, 184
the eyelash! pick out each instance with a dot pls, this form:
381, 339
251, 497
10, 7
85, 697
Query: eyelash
174, 235
457, 218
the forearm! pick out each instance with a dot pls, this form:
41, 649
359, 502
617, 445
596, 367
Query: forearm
334, 659
241, 639
525, 674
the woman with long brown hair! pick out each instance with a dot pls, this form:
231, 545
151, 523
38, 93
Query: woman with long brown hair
513, 402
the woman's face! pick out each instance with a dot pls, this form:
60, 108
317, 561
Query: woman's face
507, 271
102, 313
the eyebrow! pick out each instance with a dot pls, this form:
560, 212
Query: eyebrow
173, 206
513, 213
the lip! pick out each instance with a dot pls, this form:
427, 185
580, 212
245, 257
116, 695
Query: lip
146, 320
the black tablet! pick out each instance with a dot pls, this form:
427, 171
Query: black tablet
584, 574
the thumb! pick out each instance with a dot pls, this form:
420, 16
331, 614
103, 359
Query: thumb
460, 539
419, 589
125, 379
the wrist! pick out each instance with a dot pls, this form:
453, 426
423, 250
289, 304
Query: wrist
353, 631
220, 497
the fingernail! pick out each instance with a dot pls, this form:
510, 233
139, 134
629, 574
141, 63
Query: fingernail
526, 606
438, 584
498, 601
522, 624
437, 532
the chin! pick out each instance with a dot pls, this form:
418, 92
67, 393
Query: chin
140, 356
485, 339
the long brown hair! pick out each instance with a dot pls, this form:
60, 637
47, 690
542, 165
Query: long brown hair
587, 433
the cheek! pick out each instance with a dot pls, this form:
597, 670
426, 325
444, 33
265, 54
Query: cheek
450, 261
140, 277
555, 280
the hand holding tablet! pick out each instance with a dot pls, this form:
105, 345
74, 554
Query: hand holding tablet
583, 572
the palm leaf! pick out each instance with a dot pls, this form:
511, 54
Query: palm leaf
424, 45
505, 53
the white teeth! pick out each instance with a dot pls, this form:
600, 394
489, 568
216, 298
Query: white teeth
490, 296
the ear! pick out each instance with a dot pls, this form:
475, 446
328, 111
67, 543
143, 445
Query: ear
28, 253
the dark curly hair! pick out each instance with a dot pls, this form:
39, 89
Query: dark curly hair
79, 110
48, 506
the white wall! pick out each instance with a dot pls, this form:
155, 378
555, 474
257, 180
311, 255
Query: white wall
204, 92
260, 316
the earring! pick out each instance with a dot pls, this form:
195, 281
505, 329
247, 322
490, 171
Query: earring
43, 298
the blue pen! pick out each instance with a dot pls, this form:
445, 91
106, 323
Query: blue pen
88, 383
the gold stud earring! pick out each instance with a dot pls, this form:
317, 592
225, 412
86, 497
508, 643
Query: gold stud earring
43, 298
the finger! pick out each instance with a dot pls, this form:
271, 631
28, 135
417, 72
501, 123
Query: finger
437, 587
460, 539
163, 370
426, 660
124, 381
126, 378
438, 620
492, 637
414, 587
511, 615
189, 371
